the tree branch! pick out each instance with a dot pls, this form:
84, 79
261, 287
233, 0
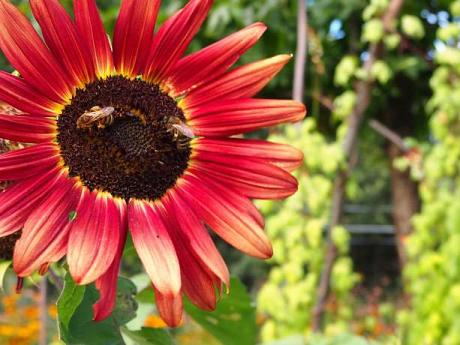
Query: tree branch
388, 134
301, 53
363, 90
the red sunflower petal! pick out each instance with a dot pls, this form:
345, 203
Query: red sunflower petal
61, 37
27, 128
198, 238
133, 35
230, 117
17, 93
30, 161
217, 208
283, 156
173, 38
242, 82
170, 307
20, 199
255, 179
239, 202
47, 228
214, 60
154, 246
94, 237
107, 283
91, 29
29, 55
196, 279
197, 283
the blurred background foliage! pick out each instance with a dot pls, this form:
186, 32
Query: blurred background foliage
396, 276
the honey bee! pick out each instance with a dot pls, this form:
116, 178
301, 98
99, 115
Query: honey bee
182, 134
102, 117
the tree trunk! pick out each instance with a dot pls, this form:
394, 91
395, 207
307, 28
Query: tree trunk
406, 202
363, 89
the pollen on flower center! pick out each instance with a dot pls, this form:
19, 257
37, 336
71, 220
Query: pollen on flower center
116, 136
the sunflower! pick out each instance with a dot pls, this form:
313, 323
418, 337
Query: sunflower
130, 135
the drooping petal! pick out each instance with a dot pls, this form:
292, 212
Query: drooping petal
242, 82
154, 246
214, 60
91, 30
107, 283
19, 200
173, 38
197, 282
198, 239
94, 236
29, 55
46, 230
283, 156
17, 93
61, 37
27, 128
170, 307
133, 35
30, 161
217, 206
230, 117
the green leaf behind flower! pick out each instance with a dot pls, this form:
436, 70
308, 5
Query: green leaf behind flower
75, 314
234, 320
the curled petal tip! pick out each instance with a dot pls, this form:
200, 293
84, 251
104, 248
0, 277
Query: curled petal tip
19, 284
170, 308
266, 252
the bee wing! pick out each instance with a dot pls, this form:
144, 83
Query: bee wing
93, 116
185, 130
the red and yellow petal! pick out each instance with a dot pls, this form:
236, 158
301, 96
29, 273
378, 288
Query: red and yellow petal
154, 247
197, 237
283, 156
20, 199
218, 206
242, 82
214, 60
170, 307
28, 162
17, 93
46, 230
254, 179
94, 236
107, 283
61, 36
173, 38
91, 30
230, 117
29, 55
197, 281
133, 35
27, 128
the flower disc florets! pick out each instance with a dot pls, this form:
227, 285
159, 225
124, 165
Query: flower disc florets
131, 151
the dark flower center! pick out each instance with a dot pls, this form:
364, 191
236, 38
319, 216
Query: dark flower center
7, 245
122, 136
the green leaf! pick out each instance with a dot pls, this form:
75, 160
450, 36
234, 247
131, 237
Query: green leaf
75, 314
4, 265
294, 340
343, 339
68, 302
412, 26
234, 318
147, 336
